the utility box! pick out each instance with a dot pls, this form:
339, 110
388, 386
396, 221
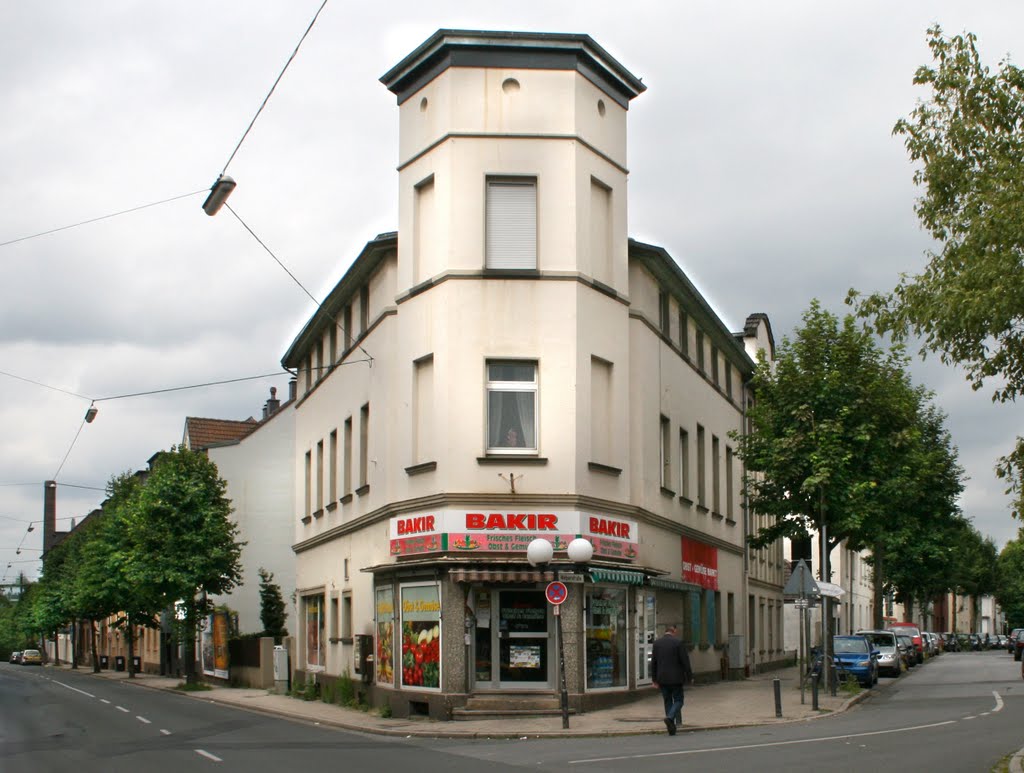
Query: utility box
281, 675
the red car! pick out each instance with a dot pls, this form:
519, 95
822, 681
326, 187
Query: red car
911, 630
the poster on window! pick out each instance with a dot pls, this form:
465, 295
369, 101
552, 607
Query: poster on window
315, 633
700, 564
384, 657
421, 636
206, 646
213, 645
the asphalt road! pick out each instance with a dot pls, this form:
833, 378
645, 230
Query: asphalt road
960, 712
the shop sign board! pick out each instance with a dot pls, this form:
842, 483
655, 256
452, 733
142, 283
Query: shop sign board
483, 531
700, 564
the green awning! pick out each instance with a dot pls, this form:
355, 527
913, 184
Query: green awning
617, 575
658, 582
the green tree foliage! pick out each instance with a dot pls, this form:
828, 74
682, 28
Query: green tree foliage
968, 303
184, 543
272, 608
1010, 591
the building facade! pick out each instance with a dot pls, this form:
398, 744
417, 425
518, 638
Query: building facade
509, 366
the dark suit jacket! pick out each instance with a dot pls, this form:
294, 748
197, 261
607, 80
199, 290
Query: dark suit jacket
670, 665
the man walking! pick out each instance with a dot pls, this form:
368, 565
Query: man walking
670, 669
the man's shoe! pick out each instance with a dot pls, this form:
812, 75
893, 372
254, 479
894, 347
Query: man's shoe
671, 726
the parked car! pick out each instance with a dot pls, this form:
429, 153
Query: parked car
31, 658
889, 657
931, 643
1012, 639
910, 655
16, 656
1000, 642
911, 630
855, 655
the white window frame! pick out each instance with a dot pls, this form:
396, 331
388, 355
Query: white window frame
512, 386
511, 223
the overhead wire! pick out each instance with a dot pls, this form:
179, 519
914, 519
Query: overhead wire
269, 93
101, 217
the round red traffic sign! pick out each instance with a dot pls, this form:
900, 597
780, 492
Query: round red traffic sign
556, 592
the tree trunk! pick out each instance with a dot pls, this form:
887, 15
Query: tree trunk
908, 605
95, 654
56, 647
190, 645
878, 596
74, 644
131, 649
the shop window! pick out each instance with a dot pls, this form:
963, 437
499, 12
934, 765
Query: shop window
511, 406
511, 241
314, 630
607, 643
384, 658
421, 636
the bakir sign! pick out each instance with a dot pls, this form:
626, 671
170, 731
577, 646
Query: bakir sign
491, 531
700, 564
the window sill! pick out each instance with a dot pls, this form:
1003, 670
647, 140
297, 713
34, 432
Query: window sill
511, 459
667, 492
732, 522
345, 499
307, 519
717, 516
363, 490
604, 469
332, 507
318, 513
686, 500
419, 469
702, 509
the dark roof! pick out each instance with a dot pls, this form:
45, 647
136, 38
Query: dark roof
203, 433
525, 50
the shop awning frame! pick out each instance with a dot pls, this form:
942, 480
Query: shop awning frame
524, 574
622, 576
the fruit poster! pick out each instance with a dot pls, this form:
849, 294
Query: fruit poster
384, 657
421, 636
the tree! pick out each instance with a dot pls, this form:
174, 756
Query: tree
272, 608
185, 544
968, 303
1010, 591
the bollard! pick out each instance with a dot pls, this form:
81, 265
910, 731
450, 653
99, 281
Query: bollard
777, 685
814, 693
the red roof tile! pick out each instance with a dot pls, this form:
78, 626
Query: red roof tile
203, 433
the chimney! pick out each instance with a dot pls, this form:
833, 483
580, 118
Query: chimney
49, 514
272, 404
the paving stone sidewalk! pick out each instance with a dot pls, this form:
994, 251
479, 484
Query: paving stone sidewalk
723, 704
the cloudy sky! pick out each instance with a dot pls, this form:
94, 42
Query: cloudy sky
761, 157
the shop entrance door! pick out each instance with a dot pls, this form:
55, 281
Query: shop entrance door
511, 642
521, 628
645, 634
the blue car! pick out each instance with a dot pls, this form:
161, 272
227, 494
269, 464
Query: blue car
855, 655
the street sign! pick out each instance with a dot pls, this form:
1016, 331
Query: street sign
570, 577
556, 592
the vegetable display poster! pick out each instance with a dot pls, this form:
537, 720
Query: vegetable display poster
421, 636
385, 657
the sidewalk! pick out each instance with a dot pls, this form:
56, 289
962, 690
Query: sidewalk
719, 705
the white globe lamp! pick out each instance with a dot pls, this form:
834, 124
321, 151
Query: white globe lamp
580, 551
540, 552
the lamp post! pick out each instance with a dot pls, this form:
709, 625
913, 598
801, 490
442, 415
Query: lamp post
539, 553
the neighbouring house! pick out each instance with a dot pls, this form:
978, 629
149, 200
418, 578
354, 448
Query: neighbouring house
509, 366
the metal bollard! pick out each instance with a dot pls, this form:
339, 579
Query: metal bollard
777, 685
814, 694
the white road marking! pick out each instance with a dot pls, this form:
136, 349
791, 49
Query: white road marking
143, 720
122, 708
208, 755
764, 745
104, 700
88, 694
966, 718
999, 701
165, 732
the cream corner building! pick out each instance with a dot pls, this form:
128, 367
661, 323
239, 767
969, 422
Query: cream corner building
510, 365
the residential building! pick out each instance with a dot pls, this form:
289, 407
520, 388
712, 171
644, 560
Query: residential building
510, 366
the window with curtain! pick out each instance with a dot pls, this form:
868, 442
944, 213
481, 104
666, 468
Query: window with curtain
512, 406
511, 240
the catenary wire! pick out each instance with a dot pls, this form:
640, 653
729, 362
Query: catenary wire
269, 93
40, 383
295, 279
102, 217
62, 461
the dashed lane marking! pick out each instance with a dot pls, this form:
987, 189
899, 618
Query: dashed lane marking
143, 720
827, 739
83, 692
104, 700
208, 756
122, 708
165, 732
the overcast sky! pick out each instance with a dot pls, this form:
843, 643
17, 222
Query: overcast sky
761, 157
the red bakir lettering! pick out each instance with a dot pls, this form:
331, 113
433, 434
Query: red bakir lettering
609, 528
416, 525
511, 522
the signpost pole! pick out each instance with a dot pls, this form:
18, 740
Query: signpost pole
561, 669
